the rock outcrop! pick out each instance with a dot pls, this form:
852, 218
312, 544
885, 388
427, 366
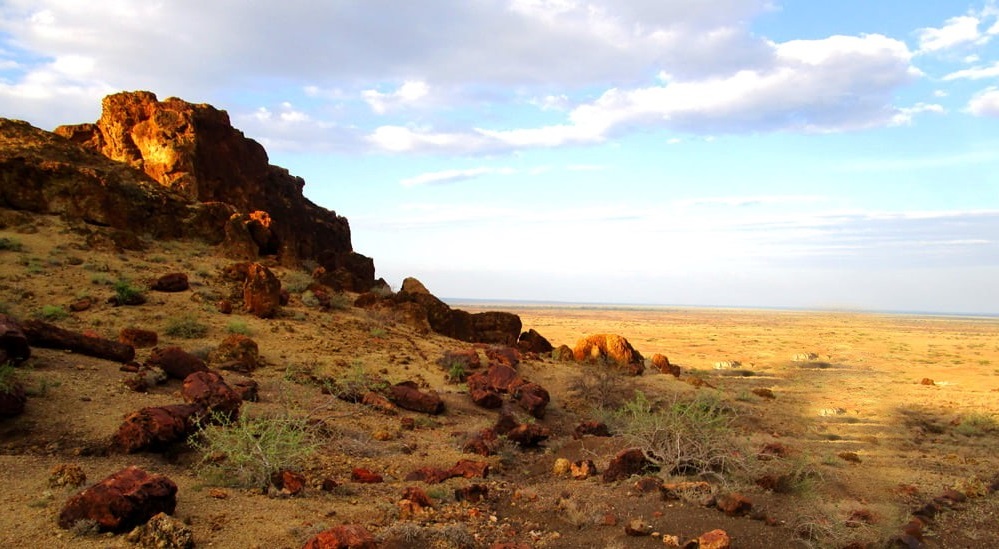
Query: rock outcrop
193, 150
610, 348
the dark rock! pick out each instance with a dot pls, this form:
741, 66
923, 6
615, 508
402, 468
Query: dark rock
592, 428
484, 443
563, 353
122, 501
467, 359
469, 469
43, 334
407, 396
501, 377
472, 493
528, 435
734, 504
631, 461
176, 362
533, 342
365, 476
417, 495
13, 399
288, 482
507, 356
210, 391
261, 291
81, 304
138, 338
663, 366
236, 352
172, 282
156, 428
13, 343
247, 389
638, 528
430, 475
349, 536
533, 398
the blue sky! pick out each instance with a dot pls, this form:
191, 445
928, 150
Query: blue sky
685, 152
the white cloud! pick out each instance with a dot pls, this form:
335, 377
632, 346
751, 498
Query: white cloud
975, 73
409, 93
450, 176
956, 31
985, 103
835, 84
905, 115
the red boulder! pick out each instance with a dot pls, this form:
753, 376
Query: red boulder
156, 428
210, 391
176, 362
173, 282
122, 501
348, 536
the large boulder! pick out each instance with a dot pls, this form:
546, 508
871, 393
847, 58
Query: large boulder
122, 501
193, 150
13, 343
488, 327
157, 428
210, 391
610, 348
261, 291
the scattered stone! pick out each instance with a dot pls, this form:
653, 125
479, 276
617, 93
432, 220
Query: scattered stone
472, 493
500, 377
261, 291
470, 469
81, 304
210, 391
173, 282
50, 336
365, 476
176, 362
804, 357
583, 469
533, 398
247, 389
67, 474
852, 457
715, 539
484, 443
763, 392
156, 428
237, 352
734, 504
611, 348
663, 366
162, 532
288, 482
533, 342
224, 306
467, 359
348, 536
379, 402
430, 475
727, 364
507, 356
592, 428
122, 501
417, 495
927, 381
562, 467
563, 353
645, 485
631, 461
860, 517
138, 338
773, 450
638, 528
218, 493
670, 540
408, 396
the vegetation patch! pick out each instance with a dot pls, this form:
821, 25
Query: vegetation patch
186, 326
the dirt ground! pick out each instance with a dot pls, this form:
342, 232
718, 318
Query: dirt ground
888, 413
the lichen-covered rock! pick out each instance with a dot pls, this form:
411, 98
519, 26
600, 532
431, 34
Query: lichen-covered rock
162, 532
237, 352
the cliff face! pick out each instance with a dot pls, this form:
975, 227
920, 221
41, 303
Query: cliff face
43, 173
193, 150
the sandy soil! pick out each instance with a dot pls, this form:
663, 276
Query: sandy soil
910, 400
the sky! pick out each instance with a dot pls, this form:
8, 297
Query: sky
737, 153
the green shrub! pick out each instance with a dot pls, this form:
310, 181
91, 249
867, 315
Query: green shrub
126, 294
238, 327
11, 244
52, 313
976, 424
340, 302
296, 282
101, 279
186, 326
378, 332
681, 437
252, 449
8, 377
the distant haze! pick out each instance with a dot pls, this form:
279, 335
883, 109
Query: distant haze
710, 152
